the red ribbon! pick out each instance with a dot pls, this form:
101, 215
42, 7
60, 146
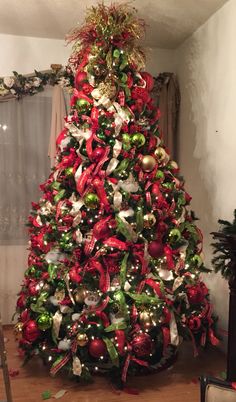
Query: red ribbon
120, 335
114, 242
80, 185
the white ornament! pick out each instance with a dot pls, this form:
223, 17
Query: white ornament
76, 366
64, 344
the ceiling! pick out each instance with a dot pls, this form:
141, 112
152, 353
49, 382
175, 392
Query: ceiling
170, 22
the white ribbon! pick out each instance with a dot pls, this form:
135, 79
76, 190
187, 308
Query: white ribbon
174, 336
76, 366
57, 319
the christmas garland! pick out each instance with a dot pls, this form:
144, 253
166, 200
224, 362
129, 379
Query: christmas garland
20, 85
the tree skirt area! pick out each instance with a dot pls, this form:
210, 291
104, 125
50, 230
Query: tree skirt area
32, 383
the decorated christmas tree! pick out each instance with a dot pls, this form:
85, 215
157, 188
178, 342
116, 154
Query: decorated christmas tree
114, 271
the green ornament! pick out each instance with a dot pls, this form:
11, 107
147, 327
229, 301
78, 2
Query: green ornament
138, 139
116, 53
111, 141
91, 200
174, 236
69, 171
82, 103
126, 138
196, 260
160, 175
44, 321
101, 136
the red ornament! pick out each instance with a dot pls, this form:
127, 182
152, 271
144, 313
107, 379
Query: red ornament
80, 77
194, 323
31, 331
21, 301
196, 294
33, 290
156, 249
142, 345
97, 348
97, 154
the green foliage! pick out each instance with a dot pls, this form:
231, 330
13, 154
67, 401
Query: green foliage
224, 259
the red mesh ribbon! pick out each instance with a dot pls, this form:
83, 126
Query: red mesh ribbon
104, 280
83, 179
127, 363
116, 243
56, 367
120, 335
169, 257
166, 338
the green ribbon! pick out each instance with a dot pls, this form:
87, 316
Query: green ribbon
112, 351
143, 298
116, 326
124, 228
119, 297
56, 185
52, 270
123, 165
139, 221
59, 195
123, 269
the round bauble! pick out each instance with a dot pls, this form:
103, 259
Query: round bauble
18, 328
196, 260
173, 166
91, 200
174, 236
44, 321
92, 299
148, 163
59, 294
97, 154
142, 345
156, 249
31, 331
138, 139
97, 348
81, 339
82, 103
79, 295
80, 78
145, 319
126, 138
160, 175
160, 154
149, 220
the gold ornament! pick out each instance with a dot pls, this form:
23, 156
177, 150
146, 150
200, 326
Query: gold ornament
59, 294
145, 319
18, 328
82, 339
108, 89
79, 295
148, 163
173, 165
149, 220
160, 154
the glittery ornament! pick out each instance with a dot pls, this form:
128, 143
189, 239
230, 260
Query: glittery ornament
82, 103
59, 294
82, 339
97, 348
92, 299
148, 163
97, 154
149, 220
44, 321
142, 345
91, 200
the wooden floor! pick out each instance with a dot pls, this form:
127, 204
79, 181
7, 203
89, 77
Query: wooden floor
177, 384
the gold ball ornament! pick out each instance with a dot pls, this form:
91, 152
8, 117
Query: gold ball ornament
173, 165
149, 220
82, 339
160, 154
79, 295
148, 163
145, 319
59, 294
18, 327
108, 88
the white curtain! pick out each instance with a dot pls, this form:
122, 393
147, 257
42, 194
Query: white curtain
24, 164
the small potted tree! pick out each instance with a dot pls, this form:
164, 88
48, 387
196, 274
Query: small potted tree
224, 261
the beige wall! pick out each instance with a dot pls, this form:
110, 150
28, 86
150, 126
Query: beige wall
206, 68
24, 54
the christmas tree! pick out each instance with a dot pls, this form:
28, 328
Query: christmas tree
114, 271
